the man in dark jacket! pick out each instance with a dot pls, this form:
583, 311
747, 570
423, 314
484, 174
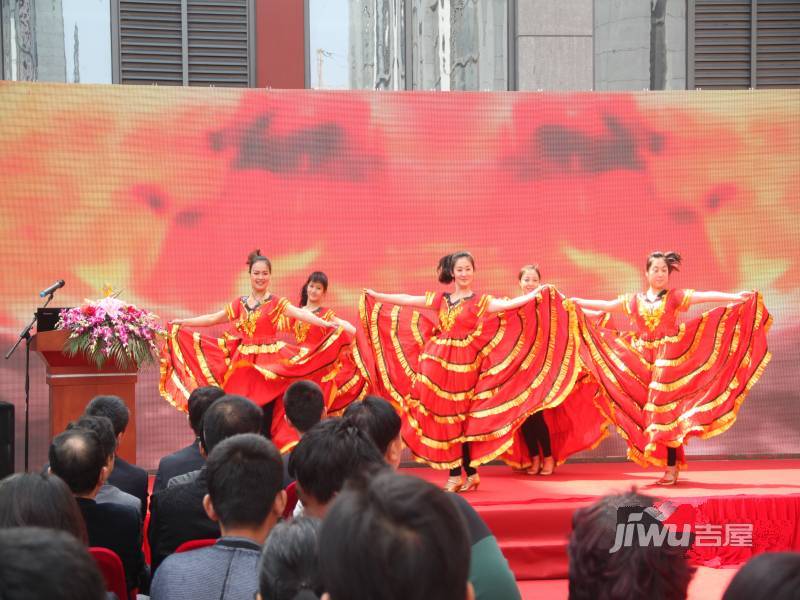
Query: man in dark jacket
190, 458
176, 513
77, 457
127, 477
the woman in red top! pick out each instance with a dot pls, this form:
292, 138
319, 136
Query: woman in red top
467, 378
548, 437
666, 381
250, 360
351, 381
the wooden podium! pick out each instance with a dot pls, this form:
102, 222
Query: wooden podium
73, 381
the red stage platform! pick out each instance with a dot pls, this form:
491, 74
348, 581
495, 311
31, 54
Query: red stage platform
531, 515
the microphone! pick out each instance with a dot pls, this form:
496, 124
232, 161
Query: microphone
47, 291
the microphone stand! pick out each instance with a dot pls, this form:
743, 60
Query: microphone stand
25, 334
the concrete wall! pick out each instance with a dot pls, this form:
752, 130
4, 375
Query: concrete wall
640, 44
601, 44
554, 44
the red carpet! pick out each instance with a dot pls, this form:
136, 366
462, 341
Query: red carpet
707, 584
531, 516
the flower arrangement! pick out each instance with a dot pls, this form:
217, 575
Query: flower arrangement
110, 329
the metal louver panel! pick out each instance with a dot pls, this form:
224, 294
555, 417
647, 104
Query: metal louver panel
150, 42
722, 44
185, 42
778, 43
218, 42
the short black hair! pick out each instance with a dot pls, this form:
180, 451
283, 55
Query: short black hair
304, 403
290, 561
394, 537
768, 576
112, 407
377, 418
328, 454
102, 427
227, 416
40, 500
199, 401
77, 457
635, 571
244, 473
42, 563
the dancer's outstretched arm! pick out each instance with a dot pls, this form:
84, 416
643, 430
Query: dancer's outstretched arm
204, 320
401, 299
499, 304
302, 314
601, 305
702, 297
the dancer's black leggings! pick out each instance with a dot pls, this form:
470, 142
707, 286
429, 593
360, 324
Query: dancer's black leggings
672, 456
536, 434
465, 458
266, 426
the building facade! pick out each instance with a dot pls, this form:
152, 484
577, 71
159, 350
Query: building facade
475, 45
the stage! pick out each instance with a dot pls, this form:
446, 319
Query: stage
531, 515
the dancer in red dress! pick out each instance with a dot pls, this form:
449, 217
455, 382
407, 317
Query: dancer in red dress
468, 378
249, 359
351, 381
548, 437
666, 381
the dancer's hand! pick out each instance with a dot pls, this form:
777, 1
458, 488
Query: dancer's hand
347, 325
745, 295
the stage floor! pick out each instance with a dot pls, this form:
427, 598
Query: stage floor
531, 516
591, 480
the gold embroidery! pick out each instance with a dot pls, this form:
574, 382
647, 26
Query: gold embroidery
247, 321
448, 314
429, 298
652, 313
301, 329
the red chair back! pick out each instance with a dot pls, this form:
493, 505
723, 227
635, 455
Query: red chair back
195, 544
291, 500
111, 567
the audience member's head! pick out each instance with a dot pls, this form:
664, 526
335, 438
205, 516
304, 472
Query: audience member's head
245, 485
111, 407
394, 537
770, 576
290, 562
40, 500
304, 404
77, 457
199, 401
105, 433
325, 457
380, 421
228, 416
630, 571
43, 563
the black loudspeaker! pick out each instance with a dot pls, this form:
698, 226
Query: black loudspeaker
6, 439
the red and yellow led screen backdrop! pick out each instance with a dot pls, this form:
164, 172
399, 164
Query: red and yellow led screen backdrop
162, 192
